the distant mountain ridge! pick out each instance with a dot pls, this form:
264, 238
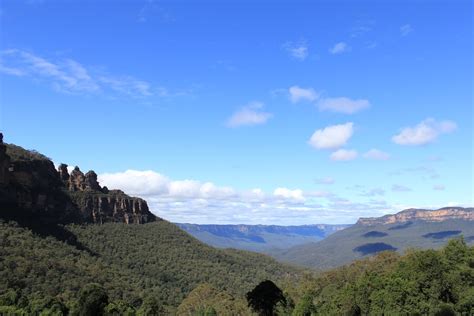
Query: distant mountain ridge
411, 228
439, 215
260, 238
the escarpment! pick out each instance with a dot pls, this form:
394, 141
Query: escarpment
409, 215
31, 188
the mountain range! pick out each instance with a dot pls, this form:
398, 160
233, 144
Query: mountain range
259, 238
412, 228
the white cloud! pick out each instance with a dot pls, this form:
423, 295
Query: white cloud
439, 187
302, 94
400, 188
289, 194
344, 155
137, 182
423, 133
332, 136
405, 29
376, 154
298, 51
12, 71
66, 75
339, 48
250, 114
204, 202
70, 76
127, 85
343, 105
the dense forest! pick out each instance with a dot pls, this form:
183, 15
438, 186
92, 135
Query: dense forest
420, 282
133, 264
156, 269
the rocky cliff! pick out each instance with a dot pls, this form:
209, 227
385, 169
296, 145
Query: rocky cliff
410, 215
99, 204
30, 185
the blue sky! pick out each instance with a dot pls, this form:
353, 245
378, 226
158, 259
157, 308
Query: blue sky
282, 112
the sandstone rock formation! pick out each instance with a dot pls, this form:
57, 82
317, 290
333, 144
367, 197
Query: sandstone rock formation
63, 173
409, 215
30, 185
101, 205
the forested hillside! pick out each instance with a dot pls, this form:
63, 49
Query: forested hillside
132, 262
421, 282
366, 239
155, 269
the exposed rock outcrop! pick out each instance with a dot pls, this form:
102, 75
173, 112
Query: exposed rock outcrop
114, 207
409, 215
63, 173
4, 162
30, 185
91, 181
33, 188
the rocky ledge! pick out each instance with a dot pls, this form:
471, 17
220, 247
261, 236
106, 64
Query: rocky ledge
409, 215
30, 185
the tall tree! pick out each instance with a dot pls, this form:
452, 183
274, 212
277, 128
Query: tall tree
264, 298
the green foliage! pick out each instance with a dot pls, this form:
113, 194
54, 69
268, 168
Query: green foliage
47, 307
154, 268
92, 300
209, 311
426, 282
133, 263
150, 306
206, 300
18, 153
305, 306
119, 308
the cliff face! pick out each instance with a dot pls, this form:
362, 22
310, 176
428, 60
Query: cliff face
31, 187
99, 205
440, 215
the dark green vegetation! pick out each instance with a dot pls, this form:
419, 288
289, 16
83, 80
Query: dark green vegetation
264, 298
422, 282
18, 153
138, 272
361, 240
132, 262
259, 238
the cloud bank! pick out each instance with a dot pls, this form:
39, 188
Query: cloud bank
204, 202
